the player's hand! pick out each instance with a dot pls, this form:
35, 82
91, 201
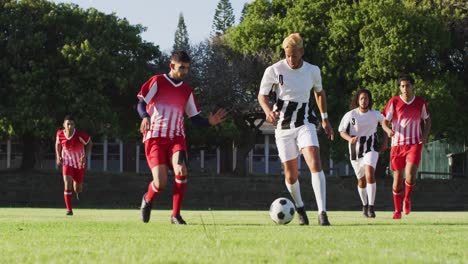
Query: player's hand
353, 140
327, 127
218, 117
272, 117
390, 133
423, 141
83, 161
59, 161
145, 125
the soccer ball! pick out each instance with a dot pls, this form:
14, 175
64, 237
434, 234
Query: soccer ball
282, 211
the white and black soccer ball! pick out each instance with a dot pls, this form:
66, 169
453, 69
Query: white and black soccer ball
282, 211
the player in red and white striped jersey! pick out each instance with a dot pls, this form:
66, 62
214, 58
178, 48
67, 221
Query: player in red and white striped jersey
163, 101
72, 146
405, 113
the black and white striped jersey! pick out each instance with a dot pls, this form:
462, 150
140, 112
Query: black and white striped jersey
363, 126
293, 88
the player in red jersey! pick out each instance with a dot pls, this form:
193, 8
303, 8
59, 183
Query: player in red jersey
405, 112
72, 147
163, 101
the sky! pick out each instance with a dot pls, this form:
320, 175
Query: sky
161, 17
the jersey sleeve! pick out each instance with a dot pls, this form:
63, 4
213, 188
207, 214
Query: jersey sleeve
269, 81
379, 116
148, 89
191, 107
425, 111
83, 137
388, 110
317, 78
343, 127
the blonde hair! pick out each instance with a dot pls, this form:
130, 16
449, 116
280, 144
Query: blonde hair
293, 41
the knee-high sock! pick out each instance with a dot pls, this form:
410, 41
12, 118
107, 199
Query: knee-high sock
178, 195
408, 190
363, 194
397, 201
319, 186
371, 190
67, 196
295, 191
152, 192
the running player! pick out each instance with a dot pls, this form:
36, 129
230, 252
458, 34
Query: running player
163, 100
72, 147
405, 112
359, 128
295, 81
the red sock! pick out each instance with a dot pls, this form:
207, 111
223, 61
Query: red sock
408, 190
152, 191
67, 196
397, 201
178, 195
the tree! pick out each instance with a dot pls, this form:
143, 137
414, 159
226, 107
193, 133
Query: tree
224, 18
181, 38
59, 59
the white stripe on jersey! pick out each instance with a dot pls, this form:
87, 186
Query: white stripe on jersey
151, 92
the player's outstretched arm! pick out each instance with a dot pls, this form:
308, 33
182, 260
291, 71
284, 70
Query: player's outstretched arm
218, 117
321, 99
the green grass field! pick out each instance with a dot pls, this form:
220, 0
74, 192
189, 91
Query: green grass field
33, 235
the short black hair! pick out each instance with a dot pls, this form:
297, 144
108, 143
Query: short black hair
68, 117
180, 56
355, 101
405, 77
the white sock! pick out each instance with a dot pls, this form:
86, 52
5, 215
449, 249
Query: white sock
363, 194
371, 190
295, 191
319, 186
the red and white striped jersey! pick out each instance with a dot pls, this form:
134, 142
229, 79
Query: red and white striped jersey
406, 119
166, 103
72, 147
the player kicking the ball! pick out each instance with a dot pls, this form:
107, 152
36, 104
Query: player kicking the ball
295, 81
359, 128
163, 101
72, 147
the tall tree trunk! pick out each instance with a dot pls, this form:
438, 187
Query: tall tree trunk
29, 151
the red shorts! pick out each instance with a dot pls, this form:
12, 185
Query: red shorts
76, 174
401, 155
159, 151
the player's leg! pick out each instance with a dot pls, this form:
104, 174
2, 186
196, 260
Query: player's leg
370, 161
157, 160
397, 164
156, 186
312, 158
410, 181
358, 167
68, 187
412, 162
179, 164
78, 178
288, 153
371, 189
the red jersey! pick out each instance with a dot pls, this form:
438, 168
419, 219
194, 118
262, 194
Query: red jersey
406, 119
72, 147
166, 103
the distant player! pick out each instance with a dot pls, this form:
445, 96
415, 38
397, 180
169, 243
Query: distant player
405, 112
359, 128
163, 101
295, 82
72, 147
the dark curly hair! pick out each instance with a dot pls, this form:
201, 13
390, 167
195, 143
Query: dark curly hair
355, 101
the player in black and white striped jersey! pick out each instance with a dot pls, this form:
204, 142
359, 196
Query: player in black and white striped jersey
295, 81
359, 128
